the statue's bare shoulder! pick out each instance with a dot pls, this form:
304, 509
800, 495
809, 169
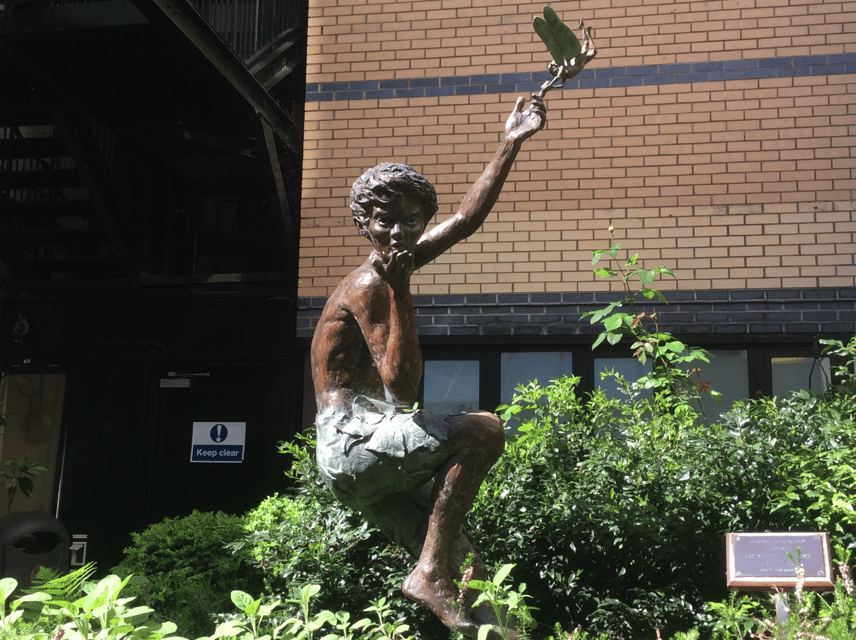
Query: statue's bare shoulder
341, 350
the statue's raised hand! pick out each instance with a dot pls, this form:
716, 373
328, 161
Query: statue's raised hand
522, 124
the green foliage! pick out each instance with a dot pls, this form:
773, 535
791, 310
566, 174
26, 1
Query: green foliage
18, 476
100, 614
615, 510
810, 614
61, 586
734, 618
612, 522
846, 369
692, 634
814, 479
255, 617
385, 627
579, 634
307, 537
672, 383
184, 570
259, 621
510, 608
57, 586
103, 614
12, 625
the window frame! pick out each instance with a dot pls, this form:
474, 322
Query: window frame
759, 353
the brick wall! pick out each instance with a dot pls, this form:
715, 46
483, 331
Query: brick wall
716, 138
739, 314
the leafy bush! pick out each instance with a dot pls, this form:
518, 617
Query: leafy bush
611, 510
615, 511
99, 614
104, 612
818, 466
187, 573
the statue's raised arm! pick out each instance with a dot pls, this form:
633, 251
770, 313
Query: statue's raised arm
569, 59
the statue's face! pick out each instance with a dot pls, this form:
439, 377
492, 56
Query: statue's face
397, 225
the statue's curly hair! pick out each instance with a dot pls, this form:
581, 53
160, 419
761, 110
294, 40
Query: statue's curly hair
384, 183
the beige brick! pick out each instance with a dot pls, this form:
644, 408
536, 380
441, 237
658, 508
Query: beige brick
613, 146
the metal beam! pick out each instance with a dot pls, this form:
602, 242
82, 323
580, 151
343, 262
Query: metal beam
276, 186
182, 14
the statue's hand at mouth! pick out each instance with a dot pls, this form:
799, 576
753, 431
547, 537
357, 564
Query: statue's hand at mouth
395, 267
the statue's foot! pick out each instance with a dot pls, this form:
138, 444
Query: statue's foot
439, 595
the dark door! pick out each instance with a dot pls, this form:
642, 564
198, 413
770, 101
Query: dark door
258, 400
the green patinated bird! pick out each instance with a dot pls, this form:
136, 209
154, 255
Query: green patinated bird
569, 55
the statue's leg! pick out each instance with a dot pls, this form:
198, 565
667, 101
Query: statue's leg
477, 440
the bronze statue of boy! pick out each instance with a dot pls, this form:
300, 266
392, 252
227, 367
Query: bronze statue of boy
375, 452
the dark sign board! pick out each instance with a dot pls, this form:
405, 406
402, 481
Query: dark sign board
759, 561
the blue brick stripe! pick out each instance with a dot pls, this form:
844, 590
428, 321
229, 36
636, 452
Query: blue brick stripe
590, 78
741, 311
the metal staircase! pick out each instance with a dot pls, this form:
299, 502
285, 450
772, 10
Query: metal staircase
116, 165
57, 205
262, 32
265, 34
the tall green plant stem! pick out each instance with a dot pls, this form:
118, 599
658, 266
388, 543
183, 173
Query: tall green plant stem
669, 381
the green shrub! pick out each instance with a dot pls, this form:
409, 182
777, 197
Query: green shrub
187, 573
810, 614
615, 511
612, 511
817, 466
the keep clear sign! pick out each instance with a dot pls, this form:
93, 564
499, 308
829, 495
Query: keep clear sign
218, 441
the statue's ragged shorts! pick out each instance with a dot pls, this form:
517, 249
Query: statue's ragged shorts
381, 461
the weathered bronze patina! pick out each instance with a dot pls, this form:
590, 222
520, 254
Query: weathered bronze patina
412, 474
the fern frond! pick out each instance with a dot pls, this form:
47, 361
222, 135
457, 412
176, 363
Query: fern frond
45, 574
62, 587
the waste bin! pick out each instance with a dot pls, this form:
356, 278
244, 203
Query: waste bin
30, 540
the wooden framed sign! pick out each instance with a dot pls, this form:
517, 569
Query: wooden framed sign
759, 561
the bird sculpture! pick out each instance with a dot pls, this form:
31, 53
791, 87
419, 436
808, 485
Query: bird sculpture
569, 56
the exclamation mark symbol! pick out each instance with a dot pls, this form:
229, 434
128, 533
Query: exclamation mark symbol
219, 432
